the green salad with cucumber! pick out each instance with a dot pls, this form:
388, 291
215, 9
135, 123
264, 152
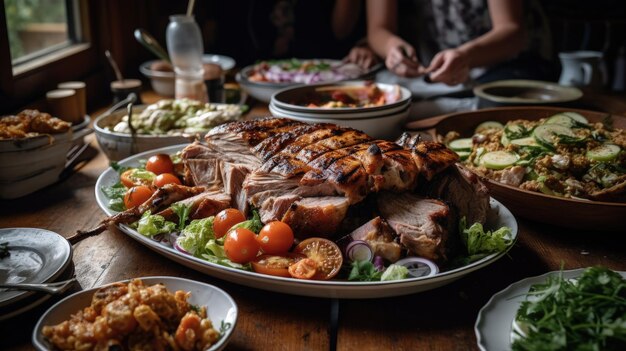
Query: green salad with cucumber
562, 155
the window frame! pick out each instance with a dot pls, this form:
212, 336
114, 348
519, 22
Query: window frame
31, 79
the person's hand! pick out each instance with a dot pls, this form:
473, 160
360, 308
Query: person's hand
402, 61
449, 66
362, 56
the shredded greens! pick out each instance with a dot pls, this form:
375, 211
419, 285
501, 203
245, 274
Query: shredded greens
588, 313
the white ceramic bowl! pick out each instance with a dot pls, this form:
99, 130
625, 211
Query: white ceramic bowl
384, 126
163, 81
221, 308
261, 91
118, 146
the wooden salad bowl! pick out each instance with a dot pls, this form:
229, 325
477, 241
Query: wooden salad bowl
564, 212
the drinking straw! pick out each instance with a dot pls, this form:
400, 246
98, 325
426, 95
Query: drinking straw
190, 7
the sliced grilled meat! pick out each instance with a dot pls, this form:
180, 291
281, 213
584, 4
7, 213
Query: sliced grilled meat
461, 189
316, 216
421, 223
432, 157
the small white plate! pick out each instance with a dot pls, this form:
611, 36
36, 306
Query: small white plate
221, 308
35, 256
493, 325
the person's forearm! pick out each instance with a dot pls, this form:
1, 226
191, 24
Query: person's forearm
494, 46
382, 41
344, 18
381, 25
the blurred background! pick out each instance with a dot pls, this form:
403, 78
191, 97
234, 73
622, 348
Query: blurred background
47, 41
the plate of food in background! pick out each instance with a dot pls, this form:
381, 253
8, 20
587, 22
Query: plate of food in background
265, 78
552, 165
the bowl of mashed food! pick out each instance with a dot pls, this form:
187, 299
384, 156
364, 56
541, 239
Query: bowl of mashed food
164, 123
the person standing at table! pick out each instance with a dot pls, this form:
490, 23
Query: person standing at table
458, 40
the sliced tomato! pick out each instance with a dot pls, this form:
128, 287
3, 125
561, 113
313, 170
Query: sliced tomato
277, 265
130, 177
306, 268
326, 255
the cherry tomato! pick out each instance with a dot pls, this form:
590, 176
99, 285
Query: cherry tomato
325, 253
275, 237
241, 246
160, 163
277, 265
129, 179
137, 195
225, 220
306, 268
166, 178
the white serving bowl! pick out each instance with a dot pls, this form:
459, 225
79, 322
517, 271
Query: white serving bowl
118, 146
261, 91
286, 98
163, 81
384, 126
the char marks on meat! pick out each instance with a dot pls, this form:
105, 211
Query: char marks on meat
421, 223
277, 165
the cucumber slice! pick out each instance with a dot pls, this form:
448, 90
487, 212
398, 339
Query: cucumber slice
499, 159
504, 140
604, 153
577, 117
547, 134
488, 125
516, 131
528, 141
463, 155
464, 144
562, 120
479, 153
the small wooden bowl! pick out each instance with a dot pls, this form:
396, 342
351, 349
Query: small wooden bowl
559, 211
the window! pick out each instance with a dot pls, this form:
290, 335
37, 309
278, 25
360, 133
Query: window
37, 27
42, 43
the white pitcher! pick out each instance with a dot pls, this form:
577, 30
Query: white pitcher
582, 69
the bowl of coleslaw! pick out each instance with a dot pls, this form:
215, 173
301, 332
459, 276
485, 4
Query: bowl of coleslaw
265, 78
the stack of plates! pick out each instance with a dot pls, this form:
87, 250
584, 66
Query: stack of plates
35, 256
383, 121
29, 164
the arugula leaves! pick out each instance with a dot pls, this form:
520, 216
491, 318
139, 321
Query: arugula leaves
584, 314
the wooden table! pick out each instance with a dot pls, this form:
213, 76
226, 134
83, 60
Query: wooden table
441, 319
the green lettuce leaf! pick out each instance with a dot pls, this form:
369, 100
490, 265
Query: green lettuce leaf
480, 243
395, 272
196, 235
115, 194
182, 211
364, 271
151, 225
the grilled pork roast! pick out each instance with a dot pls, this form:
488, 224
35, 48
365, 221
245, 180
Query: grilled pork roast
310, 175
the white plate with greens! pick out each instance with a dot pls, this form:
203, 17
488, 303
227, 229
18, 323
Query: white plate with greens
499, 216
493, 326
221, 308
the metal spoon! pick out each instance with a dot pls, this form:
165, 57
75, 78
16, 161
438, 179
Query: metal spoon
151, 44
50, 288
116, 69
